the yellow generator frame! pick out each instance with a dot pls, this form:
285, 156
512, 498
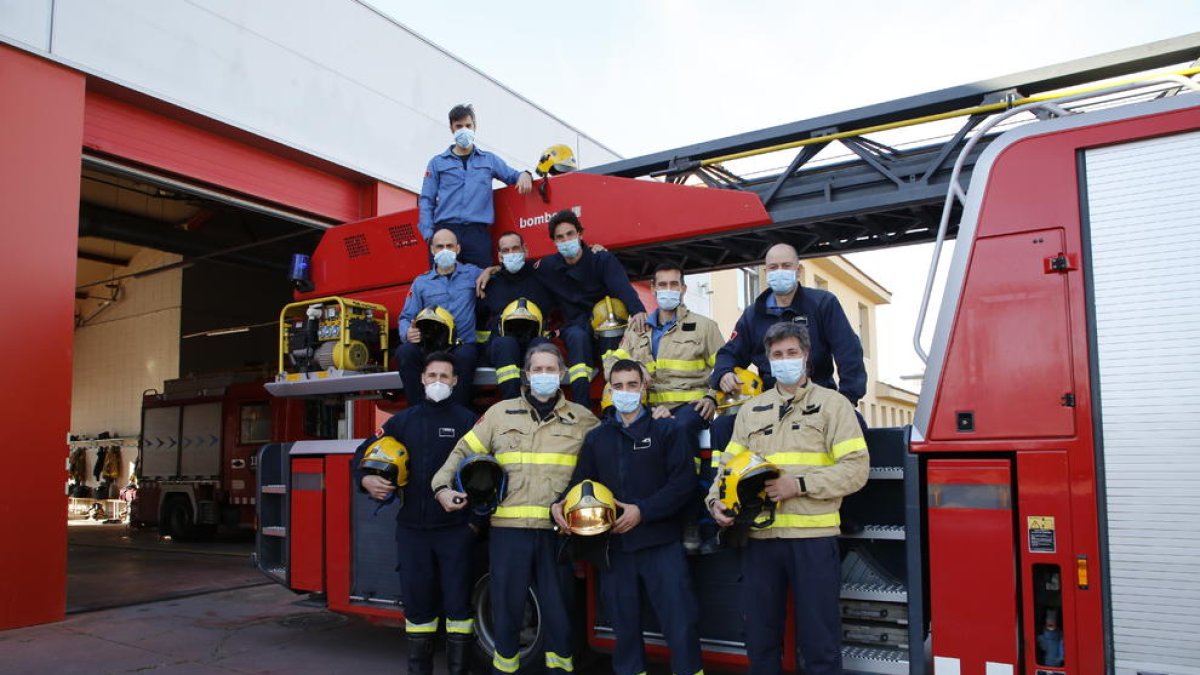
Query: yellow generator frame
346, 332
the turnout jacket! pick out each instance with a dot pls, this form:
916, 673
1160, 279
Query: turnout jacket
429, 431
578, 287
647, 464
538, 456
813, 436
687, 352
832, 340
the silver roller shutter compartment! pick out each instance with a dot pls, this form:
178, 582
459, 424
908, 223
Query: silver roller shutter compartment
1143, 202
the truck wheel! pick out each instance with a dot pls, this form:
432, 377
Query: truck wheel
532, 636
177, 521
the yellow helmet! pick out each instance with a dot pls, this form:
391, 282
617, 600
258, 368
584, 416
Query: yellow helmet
522, 318
436, 325
752, 385
742, 490
609, 317
556, 159
589, 508
387, 458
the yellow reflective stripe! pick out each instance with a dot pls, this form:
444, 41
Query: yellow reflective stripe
463, 627
802, 458
610, 353
557, 458
577, 371
844, 448
796, 520
506, 373
651, 367
430, 627
675, 396
506, 665
561, 662
710, 361
474, 443
681, 364
735, 448
716, 457
621, 354
699, 464
483, 335
523, 512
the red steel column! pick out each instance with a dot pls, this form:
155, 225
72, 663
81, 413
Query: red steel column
41, 132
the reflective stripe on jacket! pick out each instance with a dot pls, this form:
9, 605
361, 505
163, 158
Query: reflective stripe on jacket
686, 355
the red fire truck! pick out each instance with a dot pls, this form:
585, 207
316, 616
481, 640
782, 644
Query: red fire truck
1041, 513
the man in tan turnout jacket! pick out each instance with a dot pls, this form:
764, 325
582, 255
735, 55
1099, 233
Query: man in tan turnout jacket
813, 436
536, 439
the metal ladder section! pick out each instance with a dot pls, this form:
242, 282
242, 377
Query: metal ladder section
883, 607
885, 195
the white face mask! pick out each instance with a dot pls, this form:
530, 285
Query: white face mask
437, 391
464, 138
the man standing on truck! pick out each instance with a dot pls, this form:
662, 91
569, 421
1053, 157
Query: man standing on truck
457, 191
432, 543
647, 464
536, 439
579, 278
450, 286
832, 338
812, 435
513, 281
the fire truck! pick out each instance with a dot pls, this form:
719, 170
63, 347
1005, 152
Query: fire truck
1040, 515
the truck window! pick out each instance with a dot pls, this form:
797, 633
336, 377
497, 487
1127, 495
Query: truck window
256, 423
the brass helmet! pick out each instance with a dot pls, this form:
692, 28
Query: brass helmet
752, 385
743, 491
436, 325
609, 317
522, 319
589, 509
387, 458
556, 159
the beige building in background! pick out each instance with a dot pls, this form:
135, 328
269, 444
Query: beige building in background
731, 291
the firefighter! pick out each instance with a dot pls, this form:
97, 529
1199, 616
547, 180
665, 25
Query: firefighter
833, 340
536, 438
647, 463
580, 278
450, 285
434, 545
510, 282
457, 191
810, 433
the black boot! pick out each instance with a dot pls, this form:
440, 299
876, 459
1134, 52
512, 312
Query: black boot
458, 653
420, 654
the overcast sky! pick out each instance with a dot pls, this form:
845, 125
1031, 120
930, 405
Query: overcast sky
647, 75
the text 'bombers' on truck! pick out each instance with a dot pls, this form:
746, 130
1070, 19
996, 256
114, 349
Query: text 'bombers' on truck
1041, 514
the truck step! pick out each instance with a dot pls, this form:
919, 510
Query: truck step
887, 473
274, 489
874, 660
274, 531
895, 532
875, 592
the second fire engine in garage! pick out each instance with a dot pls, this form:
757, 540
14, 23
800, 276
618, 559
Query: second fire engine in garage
1041, 515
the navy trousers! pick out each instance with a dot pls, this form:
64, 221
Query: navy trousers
507, 355
812, 568
410, 362
582, 348
474, 243
435, 578
522, 559
662, 571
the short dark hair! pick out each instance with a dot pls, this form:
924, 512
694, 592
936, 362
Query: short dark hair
784, 330
460, 111
565, 216
443, 356
667, 267
545, 348
623, 365
510, 233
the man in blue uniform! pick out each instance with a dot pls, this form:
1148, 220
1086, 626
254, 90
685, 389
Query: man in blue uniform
434, 546
514, 279
451, 286
647, 464
457, 191
579, 278
831, 337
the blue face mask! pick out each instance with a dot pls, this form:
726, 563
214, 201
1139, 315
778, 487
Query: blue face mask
626, 401
569, 248
464, 138
543, 385
781, 282
445, 258
788, 371
513, 262
668, 300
